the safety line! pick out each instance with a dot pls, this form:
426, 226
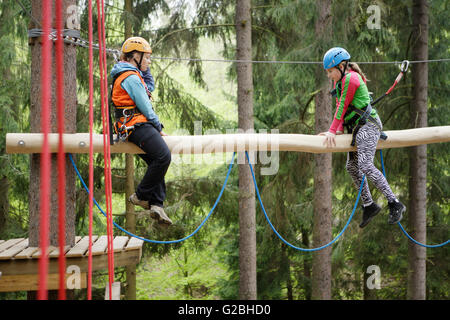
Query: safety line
401, 227
279, 236
115, 52
80, 42
158, 241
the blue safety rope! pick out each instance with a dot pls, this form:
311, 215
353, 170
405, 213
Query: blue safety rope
157, 241
400, 225
263, 209
276, 232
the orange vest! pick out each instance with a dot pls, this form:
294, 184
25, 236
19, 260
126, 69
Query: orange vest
122, 100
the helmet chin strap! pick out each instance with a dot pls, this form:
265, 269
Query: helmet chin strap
343, 71
140, 61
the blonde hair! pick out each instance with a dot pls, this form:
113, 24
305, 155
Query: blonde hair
354, 66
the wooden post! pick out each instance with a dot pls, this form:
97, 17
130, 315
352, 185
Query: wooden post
130, 223
247, 206
417, 211
70, 98
321, 262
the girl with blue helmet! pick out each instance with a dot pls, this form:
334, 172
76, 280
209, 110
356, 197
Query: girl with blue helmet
353, 110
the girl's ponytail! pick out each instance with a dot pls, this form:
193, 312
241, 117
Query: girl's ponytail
354, 66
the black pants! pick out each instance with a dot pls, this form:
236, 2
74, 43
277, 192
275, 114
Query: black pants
157, 156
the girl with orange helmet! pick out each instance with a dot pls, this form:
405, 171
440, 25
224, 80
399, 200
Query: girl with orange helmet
131, 92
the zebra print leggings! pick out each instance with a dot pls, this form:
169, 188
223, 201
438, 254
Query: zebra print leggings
360, 163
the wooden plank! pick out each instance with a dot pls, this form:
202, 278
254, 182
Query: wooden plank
119, 243
9, 243
37, 254
55, 253
134, 244
26, 253
99, 247
100, 262
11, 252
81, 247
30, 282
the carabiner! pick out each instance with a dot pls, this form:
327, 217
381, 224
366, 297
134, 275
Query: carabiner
404, 66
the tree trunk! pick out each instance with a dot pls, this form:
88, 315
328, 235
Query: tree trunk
306, 266
4, 203
321, 264
6, 13
247, 228
418, 156
129, 168
70, 96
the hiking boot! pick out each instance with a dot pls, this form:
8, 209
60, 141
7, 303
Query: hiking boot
396, 208
368, 213
158, 214
142, 203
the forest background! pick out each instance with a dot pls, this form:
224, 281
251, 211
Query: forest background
190, 91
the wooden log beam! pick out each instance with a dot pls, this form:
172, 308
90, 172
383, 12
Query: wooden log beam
26, 143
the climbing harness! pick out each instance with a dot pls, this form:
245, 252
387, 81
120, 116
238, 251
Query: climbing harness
122, 130
364, 116
127, 115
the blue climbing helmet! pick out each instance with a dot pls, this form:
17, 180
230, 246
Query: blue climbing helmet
334, 56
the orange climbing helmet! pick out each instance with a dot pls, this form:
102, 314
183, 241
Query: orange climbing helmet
136, 44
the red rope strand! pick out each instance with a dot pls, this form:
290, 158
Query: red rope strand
61, 165
45, 161
91, 150
107, 153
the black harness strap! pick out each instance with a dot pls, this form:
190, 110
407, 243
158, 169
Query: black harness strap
364, 116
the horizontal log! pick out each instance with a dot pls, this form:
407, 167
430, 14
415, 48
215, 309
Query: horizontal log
79, 142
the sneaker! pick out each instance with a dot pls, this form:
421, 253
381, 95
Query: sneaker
396, 208
158, 214
142, 203
368, 213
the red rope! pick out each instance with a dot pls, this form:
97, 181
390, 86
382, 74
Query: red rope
61, 165
45, 163
91, 150
111, 231
107, 152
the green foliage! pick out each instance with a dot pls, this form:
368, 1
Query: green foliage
181, 274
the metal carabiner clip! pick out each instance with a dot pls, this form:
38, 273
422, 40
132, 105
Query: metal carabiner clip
404, 66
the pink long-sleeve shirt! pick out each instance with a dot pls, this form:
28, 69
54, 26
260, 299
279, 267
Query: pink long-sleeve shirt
351, 89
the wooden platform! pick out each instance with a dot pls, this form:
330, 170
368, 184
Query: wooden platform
19, 262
